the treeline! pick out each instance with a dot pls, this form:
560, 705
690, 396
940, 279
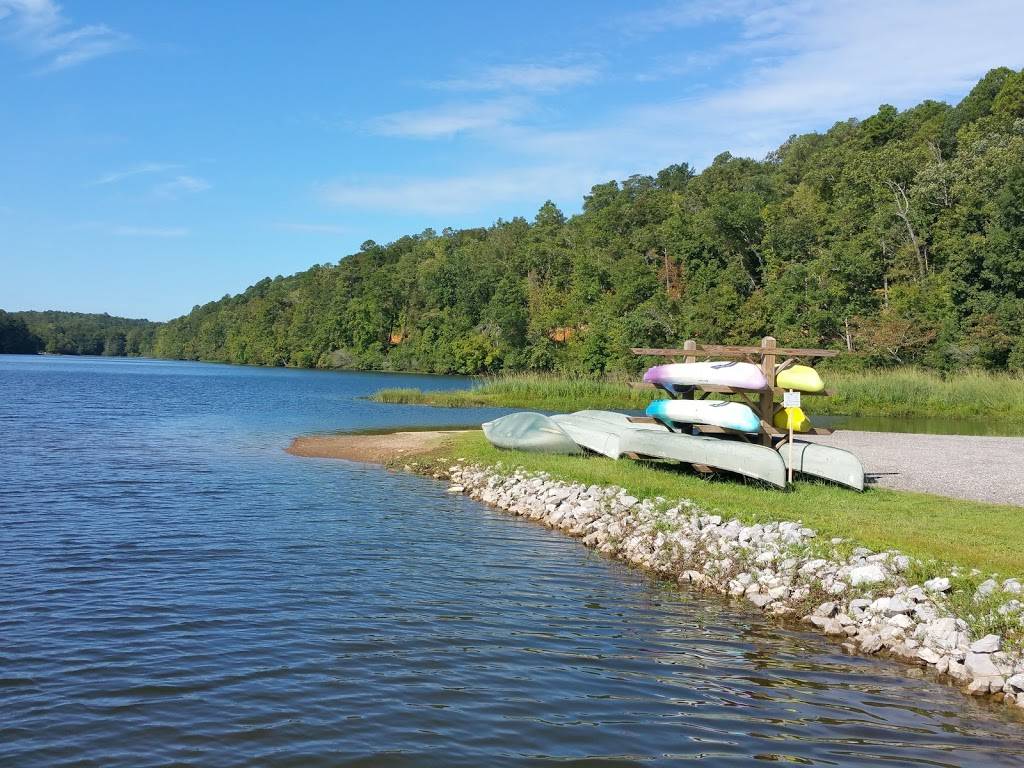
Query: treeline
900, 237
75, 333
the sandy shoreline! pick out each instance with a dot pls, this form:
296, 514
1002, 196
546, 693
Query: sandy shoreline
372, 449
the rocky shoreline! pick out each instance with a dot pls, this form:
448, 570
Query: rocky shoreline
862, 598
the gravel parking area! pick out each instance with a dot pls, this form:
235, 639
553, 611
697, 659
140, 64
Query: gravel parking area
963, 467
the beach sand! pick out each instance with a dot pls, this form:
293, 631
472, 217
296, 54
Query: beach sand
372, 449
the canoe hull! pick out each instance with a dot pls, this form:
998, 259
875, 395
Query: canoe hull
613, 435
532, 432
826, 462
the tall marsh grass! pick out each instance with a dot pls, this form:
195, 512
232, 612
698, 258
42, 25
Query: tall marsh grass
889, 392
915, 392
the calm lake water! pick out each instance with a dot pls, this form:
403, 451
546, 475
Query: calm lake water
175, 589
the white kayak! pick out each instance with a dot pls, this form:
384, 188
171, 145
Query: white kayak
721, 413
723, 374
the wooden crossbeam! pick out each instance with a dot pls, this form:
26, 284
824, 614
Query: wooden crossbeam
726, 350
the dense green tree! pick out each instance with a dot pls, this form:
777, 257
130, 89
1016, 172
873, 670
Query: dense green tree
15, 336
77, 333
900, 237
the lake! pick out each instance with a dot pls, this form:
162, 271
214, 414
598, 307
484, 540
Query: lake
176, 589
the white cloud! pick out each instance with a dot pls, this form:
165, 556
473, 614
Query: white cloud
317, 229
39, 28
795, 67
181, 185
461, 194
129, 231
116, 176
523, 77
808, 65
448, 120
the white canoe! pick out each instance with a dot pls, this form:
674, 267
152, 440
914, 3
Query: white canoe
826, 462
613, 435
724, 374
531, 432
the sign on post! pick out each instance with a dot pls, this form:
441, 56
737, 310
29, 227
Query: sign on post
791, 399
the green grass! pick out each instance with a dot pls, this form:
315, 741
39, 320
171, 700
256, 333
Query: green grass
897, 392
536, 391
939, 530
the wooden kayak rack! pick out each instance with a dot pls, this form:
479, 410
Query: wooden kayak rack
764, 402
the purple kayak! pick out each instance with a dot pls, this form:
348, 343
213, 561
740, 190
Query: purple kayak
724, 374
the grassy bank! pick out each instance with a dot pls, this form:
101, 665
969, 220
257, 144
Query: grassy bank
988, 537
898, 392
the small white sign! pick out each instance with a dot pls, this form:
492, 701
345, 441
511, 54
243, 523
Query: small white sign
791, 399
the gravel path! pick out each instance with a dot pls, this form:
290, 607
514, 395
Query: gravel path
964, 467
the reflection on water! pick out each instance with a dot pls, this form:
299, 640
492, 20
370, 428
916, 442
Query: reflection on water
175, 589
939, 425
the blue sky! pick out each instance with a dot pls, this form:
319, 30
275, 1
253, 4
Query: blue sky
159, 155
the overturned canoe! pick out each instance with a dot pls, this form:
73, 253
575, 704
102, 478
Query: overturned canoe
528, 431
597, 431
613, 435
826, 462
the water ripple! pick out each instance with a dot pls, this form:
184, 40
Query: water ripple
174, 589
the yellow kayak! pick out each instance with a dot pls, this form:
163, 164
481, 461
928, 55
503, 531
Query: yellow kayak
794, 416
802, 378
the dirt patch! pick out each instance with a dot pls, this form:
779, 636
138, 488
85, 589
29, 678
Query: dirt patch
374, 449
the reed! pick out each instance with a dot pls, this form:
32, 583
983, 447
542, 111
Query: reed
884, 392
916, 392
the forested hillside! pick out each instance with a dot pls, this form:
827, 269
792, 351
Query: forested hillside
900, 236
76, 333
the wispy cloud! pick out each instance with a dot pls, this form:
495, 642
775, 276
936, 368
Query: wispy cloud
181, 185
116, 176
317, 229
796, 66
460, 194
40, 29
448, 120
806, 67
687, 13
163, 232
536, 78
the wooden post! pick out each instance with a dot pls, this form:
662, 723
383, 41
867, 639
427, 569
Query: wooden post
690, 346
790, 449
766, 404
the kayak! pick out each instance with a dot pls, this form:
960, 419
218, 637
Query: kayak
724, 374
531, 432
721, 413
825, 462
613, 435
792, 416
802, 378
